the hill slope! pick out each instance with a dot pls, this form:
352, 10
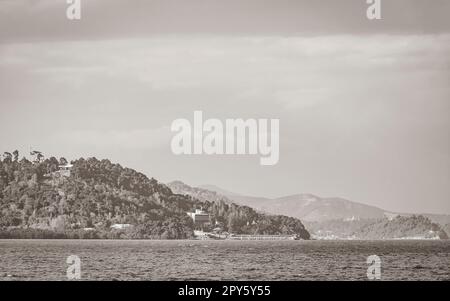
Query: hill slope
312, 208
402, 227
337, 218
97, 195
309, 207
37, 203
255, 222
197, 192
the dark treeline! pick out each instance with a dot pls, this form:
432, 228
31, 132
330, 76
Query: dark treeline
36, 202
402, 226
380, 228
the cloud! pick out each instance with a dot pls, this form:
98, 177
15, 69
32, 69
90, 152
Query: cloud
45, 20
292, 71
137, 139
360, 116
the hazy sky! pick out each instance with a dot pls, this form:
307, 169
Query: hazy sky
364, 106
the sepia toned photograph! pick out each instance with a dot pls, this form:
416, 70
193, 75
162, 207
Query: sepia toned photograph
211, 140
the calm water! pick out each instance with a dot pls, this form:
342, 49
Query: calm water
223, 260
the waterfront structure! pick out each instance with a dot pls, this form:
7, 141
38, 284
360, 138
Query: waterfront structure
64, 170
120, 226
200, 218
262, 237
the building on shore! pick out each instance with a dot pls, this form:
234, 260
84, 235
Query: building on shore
64, 170
120, 226
200, 218
262, 237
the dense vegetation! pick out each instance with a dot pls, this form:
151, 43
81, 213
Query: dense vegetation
446, 228
97, 195
35, 202
244, 220
237, 218
337, 228
416, 226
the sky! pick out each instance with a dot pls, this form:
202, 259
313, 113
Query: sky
364, 106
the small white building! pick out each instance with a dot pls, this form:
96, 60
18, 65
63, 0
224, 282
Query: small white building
64, 170
199, 217
120, 226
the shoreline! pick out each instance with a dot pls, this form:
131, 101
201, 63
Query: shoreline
222, 240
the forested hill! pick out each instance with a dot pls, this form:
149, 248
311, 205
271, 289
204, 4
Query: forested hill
402, 227
398, 227
35, 202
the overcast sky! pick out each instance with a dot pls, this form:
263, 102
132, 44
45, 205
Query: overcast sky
364, 106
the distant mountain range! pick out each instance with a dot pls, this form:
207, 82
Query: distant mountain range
312, 208
331, 217
38, 201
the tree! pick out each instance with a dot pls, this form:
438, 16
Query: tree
232, 224
7, 157
38, 156
16, 155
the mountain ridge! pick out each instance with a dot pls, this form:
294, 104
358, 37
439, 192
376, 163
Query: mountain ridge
270, 205
334, 218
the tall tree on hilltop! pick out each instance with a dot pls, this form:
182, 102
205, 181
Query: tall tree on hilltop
16, 155
7, 157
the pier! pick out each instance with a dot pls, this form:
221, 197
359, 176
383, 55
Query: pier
262, 237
